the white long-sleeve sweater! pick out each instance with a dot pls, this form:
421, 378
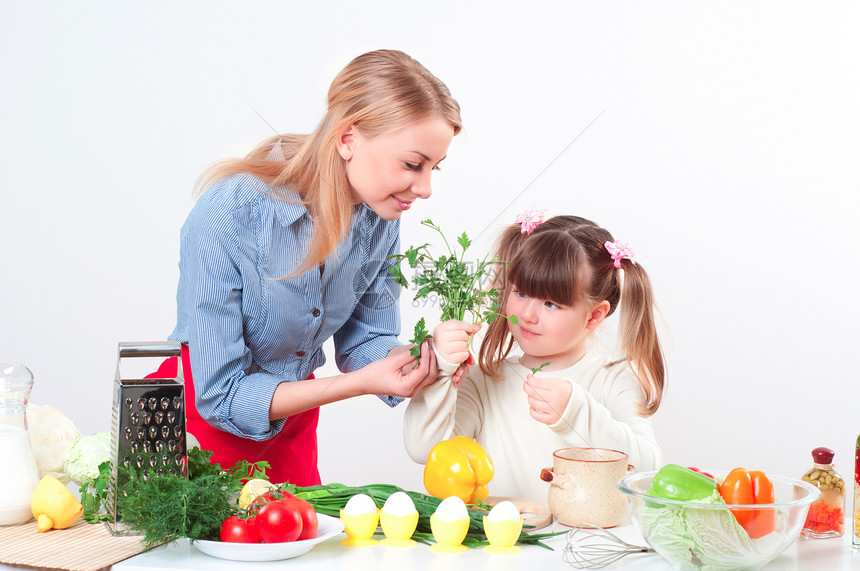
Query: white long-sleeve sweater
602, 413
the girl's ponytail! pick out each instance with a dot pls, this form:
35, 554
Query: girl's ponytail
637, 334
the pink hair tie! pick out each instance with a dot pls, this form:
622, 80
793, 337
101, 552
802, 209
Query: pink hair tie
620, 251
530, 219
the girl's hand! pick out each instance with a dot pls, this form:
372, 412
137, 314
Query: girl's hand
397, 374
547, 398
451, 339
462, 371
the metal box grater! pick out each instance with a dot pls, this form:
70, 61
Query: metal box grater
148, 423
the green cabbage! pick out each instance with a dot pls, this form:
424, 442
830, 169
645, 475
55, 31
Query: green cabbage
83, 458
703, 538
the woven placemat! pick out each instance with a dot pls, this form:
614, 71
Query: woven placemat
82, 547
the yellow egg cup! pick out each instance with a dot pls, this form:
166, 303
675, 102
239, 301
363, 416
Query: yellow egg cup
502, 535
449, 535
398, 530
359, 528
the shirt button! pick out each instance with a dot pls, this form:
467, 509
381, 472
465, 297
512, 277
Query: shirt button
300, 353
221, 420
315, 312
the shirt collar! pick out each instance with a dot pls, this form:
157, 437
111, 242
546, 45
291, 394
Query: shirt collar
288, 212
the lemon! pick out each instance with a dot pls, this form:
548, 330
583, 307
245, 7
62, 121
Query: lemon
252, 490
54, 506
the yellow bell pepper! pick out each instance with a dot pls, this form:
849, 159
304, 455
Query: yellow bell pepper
458, 467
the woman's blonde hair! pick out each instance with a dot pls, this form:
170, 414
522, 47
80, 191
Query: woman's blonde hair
377, 92
565, 260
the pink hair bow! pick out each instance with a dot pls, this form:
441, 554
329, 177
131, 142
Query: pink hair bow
620, 251
530, 219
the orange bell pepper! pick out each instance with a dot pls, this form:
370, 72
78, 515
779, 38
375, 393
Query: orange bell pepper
748, 487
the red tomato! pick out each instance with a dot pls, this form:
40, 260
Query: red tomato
276, 495
267, 497
238, 530
278, 522
310, 521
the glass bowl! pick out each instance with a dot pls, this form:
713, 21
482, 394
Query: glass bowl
705, 535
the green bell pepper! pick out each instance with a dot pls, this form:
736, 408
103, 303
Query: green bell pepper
674, 482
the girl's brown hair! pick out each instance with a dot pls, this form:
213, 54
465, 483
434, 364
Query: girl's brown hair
565, 260
377, 92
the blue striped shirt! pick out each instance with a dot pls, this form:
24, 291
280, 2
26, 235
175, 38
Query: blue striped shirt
247, 330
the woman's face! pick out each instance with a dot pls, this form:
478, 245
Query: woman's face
388, 172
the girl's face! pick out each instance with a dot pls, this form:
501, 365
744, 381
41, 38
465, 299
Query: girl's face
548, 332
388, 172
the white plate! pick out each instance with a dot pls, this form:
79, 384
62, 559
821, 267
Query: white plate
328, 528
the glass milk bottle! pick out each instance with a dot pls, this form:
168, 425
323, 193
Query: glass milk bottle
18, 474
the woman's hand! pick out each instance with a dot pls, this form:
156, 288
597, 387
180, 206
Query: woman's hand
451, 339
547, 398
397, 374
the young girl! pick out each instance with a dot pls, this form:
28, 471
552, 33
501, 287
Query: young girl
563, 280
288, 247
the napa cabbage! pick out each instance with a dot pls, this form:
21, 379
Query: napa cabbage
704, 538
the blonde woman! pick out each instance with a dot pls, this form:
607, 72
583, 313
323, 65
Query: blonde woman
287, 248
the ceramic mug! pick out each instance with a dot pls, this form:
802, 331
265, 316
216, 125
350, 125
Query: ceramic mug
583, 491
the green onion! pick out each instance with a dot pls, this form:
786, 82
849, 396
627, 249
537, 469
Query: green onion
329, 499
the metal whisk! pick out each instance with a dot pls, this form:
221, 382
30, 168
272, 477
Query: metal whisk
596, 547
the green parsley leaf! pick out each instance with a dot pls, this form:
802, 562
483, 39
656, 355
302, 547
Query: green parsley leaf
94, 495
396, 273
420, 335
536, 369
464, 241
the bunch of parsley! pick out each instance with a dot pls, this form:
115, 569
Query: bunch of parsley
449, 278
94, 495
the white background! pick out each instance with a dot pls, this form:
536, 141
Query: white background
726, 151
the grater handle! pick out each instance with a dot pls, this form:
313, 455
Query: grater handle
150, 349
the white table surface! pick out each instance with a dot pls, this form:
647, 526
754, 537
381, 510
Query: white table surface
806, 554
836, 554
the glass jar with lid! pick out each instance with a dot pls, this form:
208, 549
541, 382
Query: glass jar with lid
826, 514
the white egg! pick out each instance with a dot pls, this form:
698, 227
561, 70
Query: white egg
399, 504
451, 508
504, 511
359, 504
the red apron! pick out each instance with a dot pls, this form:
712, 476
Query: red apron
292, 453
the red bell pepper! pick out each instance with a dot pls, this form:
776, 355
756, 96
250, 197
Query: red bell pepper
694, 469
747, 487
